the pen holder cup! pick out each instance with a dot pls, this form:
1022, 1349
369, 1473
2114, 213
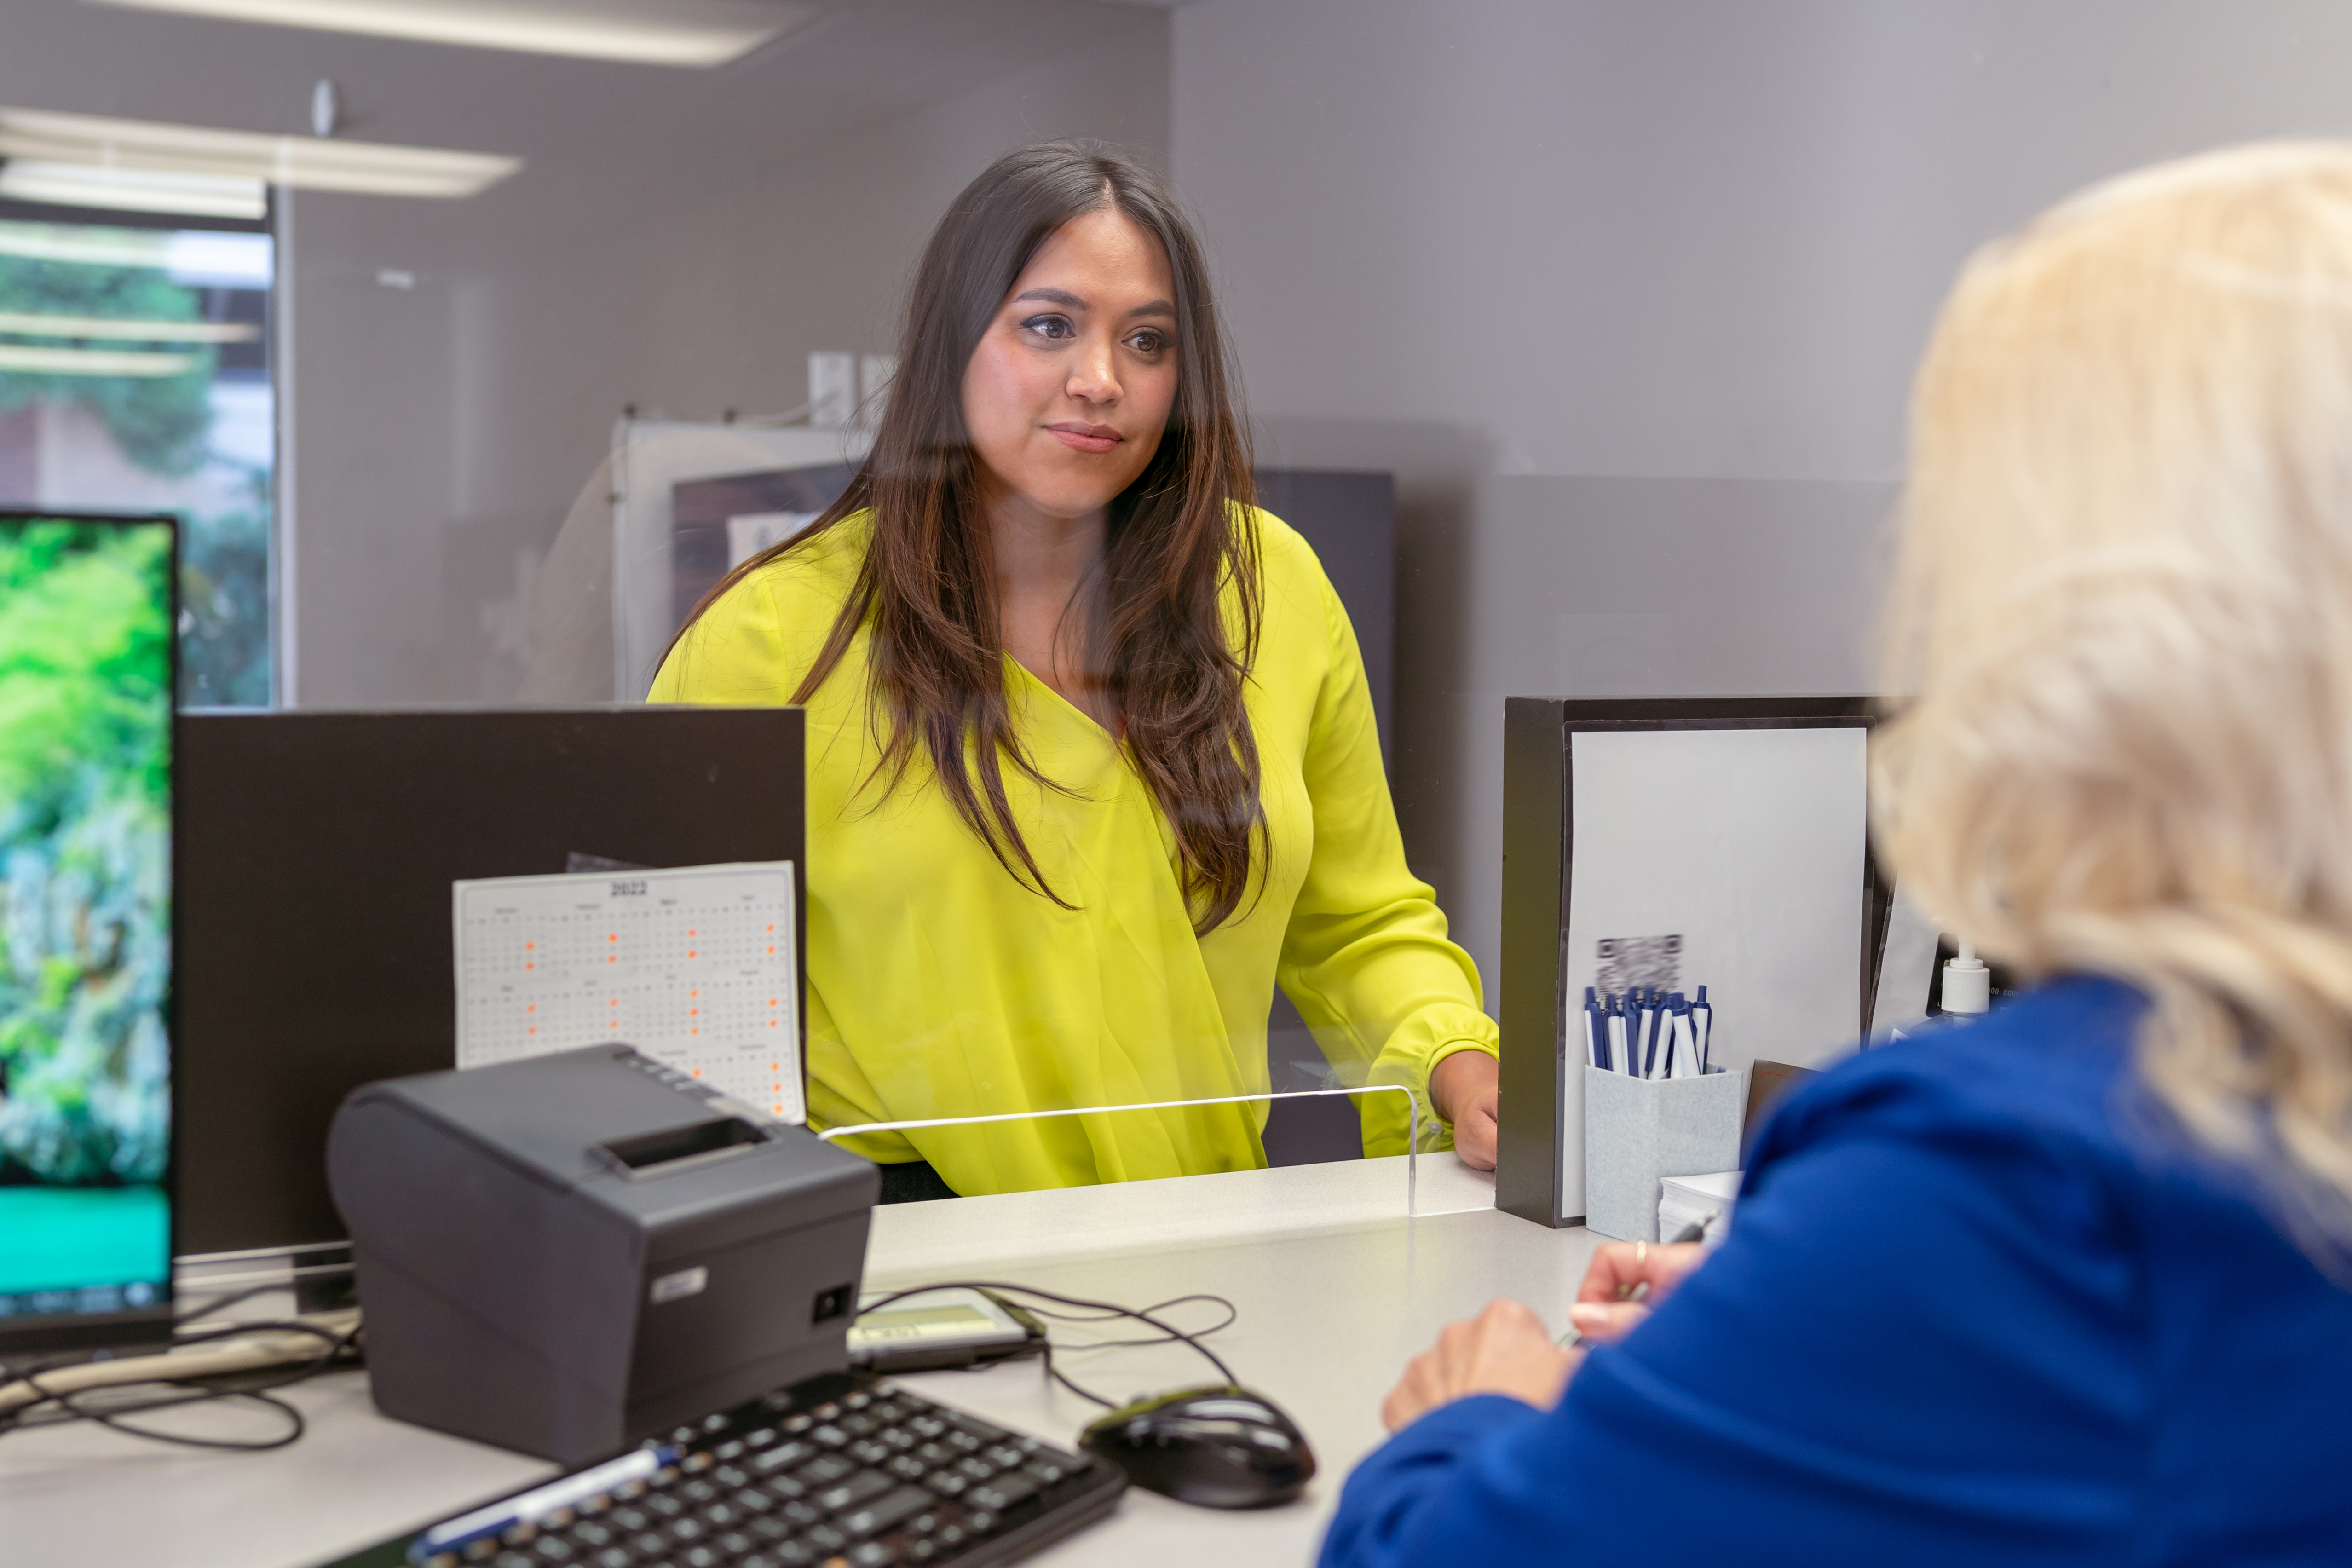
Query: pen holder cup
1638, 1131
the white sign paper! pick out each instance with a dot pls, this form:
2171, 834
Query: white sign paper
694, 967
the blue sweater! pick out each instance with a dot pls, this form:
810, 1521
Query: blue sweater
1974, 1308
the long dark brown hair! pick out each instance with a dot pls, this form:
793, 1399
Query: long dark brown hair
1176, 537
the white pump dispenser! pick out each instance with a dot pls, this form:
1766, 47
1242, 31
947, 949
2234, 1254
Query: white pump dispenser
1967, 984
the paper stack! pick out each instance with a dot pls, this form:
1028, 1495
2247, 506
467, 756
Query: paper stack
1687, 1201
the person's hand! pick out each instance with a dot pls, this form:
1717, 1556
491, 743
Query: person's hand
1504, 1350
1462, 1088
1602, 1312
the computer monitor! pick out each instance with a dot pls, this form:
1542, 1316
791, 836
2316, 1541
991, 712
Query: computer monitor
317, 953
87, 669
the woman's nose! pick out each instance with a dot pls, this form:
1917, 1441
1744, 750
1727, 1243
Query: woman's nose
1093, 378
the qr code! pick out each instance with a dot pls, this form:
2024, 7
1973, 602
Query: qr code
1627, 963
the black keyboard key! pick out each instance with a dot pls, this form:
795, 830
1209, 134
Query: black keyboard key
614, 1557
873, 1554
979, 1521
734, 1544
864, 1484
1006, 1457
651, 1545
802, 1514
886, 1512
938, 1454
947, 1484
866, 1451
927, 1426
701, 1557
825, 1471
793, 1555
824, 1538
908, 1467
782, 1457
1003, 1492
665, 1505
976, 1469
829, 1436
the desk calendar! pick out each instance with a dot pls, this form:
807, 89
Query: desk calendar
695, 967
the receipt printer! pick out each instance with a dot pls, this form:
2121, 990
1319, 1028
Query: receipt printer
566, 1254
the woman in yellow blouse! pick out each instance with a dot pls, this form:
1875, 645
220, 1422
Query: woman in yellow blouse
1092, 764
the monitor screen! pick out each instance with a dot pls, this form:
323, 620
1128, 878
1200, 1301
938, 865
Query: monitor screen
87, 618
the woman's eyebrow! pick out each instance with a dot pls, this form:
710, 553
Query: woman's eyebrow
1070, 301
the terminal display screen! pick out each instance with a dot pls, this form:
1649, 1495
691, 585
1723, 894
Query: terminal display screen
86, 697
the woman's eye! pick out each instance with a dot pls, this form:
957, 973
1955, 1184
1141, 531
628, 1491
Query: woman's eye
1148, 342
1055, 327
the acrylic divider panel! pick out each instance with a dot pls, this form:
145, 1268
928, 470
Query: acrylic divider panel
694, 967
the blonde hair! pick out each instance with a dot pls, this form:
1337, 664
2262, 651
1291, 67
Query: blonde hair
2124, 601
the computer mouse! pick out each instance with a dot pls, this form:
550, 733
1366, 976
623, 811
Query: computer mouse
1219, 1447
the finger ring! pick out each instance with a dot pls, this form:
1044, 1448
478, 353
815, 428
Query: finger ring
1641, 1253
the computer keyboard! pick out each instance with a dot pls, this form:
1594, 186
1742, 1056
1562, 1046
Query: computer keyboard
844, 1471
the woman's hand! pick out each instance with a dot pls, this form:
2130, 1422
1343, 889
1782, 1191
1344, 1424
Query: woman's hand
1504, 1350
1462, 1088
1602, 1312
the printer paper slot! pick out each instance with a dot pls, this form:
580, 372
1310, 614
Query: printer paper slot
659, 1153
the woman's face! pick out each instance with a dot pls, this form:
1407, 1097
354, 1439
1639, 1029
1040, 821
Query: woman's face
1068, 393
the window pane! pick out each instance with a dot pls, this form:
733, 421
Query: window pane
134, 376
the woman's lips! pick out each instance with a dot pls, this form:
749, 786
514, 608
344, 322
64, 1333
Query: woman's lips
1086, 438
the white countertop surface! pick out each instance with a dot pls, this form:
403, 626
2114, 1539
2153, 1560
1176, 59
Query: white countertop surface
1334, 1286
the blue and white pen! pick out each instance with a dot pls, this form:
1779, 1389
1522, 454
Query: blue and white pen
1594, 1046
486, 1524
1618, 1042
1703, 1023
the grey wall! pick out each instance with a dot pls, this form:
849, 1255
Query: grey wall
677, 239
1628, 293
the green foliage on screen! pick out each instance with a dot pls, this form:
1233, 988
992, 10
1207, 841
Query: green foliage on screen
85, 853
159, 422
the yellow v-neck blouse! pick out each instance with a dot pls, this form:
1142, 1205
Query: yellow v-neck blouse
940, 986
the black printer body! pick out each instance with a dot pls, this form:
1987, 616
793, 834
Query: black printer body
565, 1255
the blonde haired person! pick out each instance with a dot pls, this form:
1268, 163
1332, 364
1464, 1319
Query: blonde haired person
2067, 1285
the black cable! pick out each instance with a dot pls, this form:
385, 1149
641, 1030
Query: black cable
1109, 1308
73, 1405
1233, 1316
